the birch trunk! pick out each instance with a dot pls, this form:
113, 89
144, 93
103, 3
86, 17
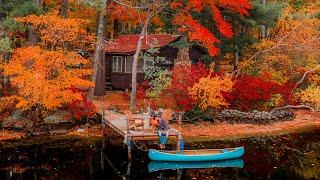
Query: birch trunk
135, 64
99, 48
263, 27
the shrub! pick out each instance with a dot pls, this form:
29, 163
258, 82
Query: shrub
208, 92
255, 93
81, 108
311, 96
183, 78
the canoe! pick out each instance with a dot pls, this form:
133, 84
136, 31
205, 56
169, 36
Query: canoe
196, 155
165, 165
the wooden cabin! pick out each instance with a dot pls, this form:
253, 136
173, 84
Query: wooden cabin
119, 57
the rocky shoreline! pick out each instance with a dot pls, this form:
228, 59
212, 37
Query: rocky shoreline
254, 117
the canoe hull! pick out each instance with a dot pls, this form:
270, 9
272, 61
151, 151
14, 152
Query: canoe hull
156, 155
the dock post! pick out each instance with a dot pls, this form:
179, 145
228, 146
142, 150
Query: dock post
180, 121
178, 143
103, 115
129, 145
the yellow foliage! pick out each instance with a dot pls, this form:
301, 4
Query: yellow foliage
311, 96
293, 45
208, 91
46, 78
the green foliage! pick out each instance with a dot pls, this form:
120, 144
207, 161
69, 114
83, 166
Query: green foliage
26, 8
266, 14
19, 8
5, 45
11, 9
157, 77
12, 25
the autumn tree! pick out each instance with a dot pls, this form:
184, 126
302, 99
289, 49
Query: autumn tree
208, 92
44, 79
58, 32
292, 48
198, 32
52, 74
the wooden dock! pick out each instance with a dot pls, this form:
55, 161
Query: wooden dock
119, 123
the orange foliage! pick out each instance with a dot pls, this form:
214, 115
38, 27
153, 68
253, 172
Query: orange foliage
57, 31
46, 78
130, 15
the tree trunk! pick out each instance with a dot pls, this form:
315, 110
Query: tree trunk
183, 56
135, 64
217, 68
98, 50
263, 27
5, 59
32, 36
64, 9
236, 58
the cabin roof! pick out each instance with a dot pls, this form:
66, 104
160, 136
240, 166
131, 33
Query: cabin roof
128, 43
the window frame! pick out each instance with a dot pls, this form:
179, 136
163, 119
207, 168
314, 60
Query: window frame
138, 70
117, 59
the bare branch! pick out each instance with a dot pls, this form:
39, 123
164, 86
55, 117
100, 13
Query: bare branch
305, 75
293, 107
278, 43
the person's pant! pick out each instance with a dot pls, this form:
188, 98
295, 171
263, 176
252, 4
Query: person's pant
163, 139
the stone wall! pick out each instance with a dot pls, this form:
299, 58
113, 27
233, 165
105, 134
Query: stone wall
254, 117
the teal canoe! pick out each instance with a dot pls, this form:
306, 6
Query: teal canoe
196, 155
164, 165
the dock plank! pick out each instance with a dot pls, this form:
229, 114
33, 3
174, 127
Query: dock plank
118, 122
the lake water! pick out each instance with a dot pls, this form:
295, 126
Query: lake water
292, 156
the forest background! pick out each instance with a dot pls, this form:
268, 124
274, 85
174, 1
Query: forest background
262, 55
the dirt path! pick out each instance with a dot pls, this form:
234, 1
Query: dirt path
303, 119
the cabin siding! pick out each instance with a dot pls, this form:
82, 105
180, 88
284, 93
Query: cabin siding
195, 54
122, 80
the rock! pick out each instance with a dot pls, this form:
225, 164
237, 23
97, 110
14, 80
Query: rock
58, 117
16, 120
81, 130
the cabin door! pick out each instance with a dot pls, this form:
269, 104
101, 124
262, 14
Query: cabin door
108, 72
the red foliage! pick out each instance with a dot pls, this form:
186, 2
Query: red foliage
252, 92
185, 77
141, 90
81, 108
198, 32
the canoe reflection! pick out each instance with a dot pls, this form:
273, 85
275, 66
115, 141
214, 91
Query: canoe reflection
164, 165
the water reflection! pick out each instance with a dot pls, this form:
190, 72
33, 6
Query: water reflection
162, 165
294, 156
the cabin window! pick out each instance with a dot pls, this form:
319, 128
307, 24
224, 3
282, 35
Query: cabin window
117, 64
129, 61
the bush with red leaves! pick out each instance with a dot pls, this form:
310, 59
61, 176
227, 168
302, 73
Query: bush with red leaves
81, 108
184, 77
253, 93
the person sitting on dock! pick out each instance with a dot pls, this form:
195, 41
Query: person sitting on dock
162, 131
